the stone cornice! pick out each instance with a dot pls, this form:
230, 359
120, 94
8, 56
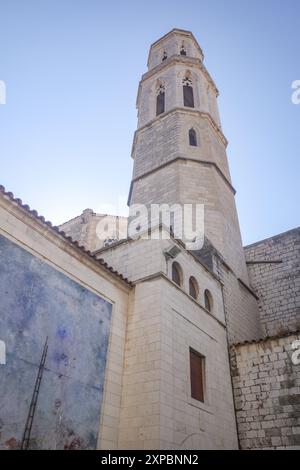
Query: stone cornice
161, 227
181, 32
264, 261
162, 275
175, 59
202, 114
185, 159
185, 60
57, 237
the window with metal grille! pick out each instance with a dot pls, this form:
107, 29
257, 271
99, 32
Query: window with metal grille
197, 370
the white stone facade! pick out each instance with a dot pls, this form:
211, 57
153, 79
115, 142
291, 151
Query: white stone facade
94, 231
164, 322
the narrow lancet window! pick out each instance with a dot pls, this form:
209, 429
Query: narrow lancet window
188, 95
192, 138
160, 100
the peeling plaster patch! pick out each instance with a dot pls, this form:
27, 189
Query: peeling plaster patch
38, 301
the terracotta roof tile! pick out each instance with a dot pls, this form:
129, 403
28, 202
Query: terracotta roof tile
56, 229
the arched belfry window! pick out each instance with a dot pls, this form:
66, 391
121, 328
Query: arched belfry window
176, 273
208, 302
192, 138
188, 95
164, 56
182, 50
160, 100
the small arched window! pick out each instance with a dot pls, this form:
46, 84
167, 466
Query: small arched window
193, 288
160, 100
193, 137
188, 95
182, 51
208, 300
176, 273
164, 56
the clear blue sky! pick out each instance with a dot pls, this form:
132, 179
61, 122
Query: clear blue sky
72, 69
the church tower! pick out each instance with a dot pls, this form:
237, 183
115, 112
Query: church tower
179, 149
186, 307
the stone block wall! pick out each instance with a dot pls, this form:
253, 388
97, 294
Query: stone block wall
242, 314
164, 321
267, 394
167, 138
188, 182
157, 410
187, 423
93, 230
274, 268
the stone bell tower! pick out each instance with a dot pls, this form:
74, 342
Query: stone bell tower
179, 153
179, 149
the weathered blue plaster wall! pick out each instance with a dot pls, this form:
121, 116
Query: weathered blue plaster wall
37, 301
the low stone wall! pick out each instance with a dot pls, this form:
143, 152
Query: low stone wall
266, 381
274, 266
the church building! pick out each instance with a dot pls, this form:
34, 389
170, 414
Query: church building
140, 338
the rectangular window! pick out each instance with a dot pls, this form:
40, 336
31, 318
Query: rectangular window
188, 96
197, 370
160, 103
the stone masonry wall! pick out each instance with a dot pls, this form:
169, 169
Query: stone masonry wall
267, 394
242, 315
277, 284
167, 138
93, 230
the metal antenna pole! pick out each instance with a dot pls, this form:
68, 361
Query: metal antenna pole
29, 422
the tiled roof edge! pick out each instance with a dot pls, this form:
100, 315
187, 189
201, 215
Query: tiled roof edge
266, 338
69, 239
95, 214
